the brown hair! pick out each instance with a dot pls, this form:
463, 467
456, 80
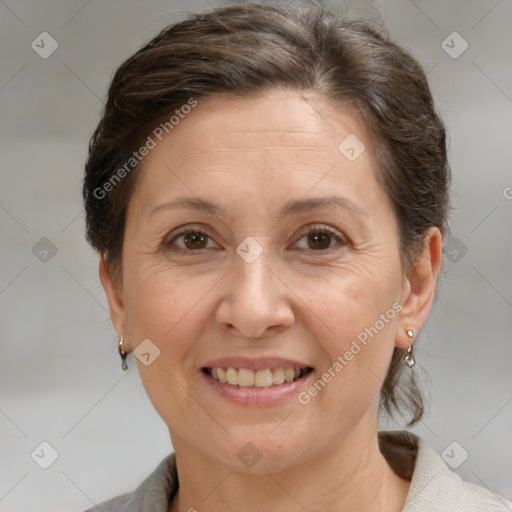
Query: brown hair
249, 49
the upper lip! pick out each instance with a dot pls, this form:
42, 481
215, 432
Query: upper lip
260, 363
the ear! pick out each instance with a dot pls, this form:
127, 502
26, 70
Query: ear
419, 288
113, 290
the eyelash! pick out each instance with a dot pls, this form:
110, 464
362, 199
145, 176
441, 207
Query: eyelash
341, 240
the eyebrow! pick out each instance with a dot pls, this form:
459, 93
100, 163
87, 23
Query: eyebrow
293, 207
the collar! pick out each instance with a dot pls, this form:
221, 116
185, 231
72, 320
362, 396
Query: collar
434, 487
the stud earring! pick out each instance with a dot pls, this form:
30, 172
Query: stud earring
122, 353
409, 356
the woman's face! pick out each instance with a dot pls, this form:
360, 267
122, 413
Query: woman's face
291, 261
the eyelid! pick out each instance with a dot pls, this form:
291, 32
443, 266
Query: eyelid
183, 230
306, 230
312, 228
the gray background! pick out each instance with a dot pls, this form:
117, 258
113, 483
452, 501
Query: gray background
60, 375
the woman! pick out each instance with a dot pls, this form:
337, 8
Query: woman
268, 192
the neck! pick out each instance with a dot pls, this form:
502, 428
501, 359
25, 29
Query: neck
353, 477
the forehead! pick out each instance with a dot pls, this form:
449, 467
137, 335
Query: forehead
272, 117
278, 135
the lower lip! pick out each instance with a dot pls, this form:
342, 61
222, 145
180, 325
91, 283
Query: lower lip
257, 396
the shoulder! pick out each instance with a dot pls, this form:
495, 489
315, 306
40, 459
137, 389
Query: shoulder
434, 486
154, 493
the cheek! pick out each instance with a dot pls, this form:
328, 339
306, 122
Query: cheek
354, 321
162, 304
349, 304
165, 308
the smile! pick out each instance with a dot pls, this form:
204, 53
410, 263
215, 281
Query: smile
263, 378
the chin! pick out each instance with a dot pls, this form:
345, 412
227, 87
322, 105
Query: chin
262, 448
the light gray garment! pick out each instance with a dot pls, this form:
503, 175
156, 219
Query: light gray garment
434, 487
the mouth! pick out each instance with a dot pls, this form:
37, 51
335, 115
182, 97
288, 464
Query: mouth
263, 382
261, 378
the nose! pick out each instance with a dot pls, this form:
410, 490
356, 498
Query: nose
256, 301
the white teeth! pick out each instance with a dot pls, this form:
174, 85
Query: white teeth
263, 379
232, 376
278, 376
222, 375
247, 378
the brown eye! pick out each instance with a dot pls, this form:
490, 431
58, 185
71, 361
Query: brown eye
195, 240
189, 241
319, 240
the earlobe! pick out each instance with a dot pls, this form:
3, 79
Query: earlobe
113, 292
420, 288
